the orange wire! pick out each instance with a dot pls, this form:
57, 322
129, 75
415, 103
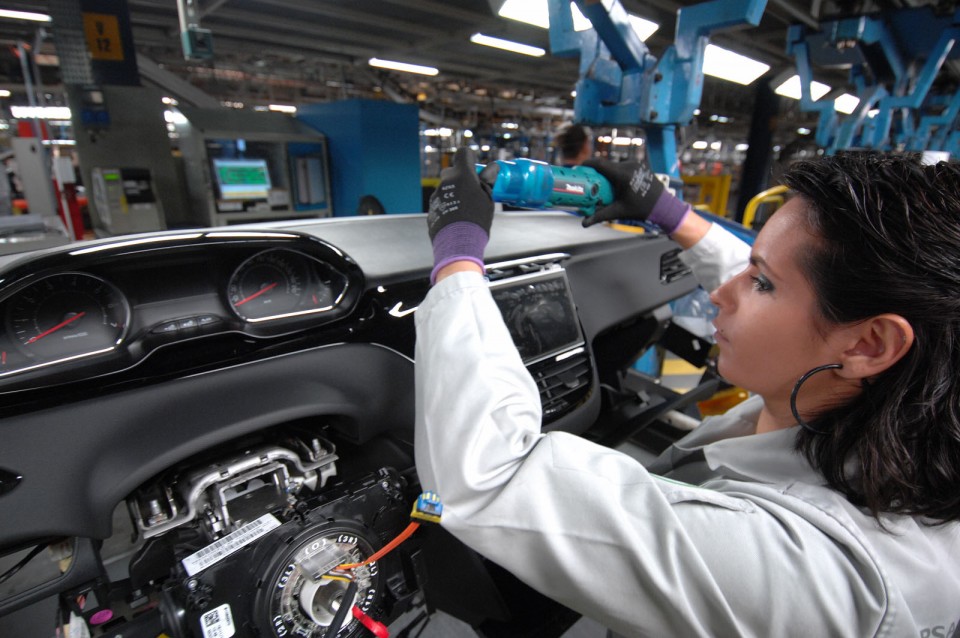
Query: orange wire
402, 536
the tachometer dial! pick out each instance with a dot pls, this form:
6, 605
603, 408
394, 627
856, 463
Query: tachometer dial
67, 315
279, 283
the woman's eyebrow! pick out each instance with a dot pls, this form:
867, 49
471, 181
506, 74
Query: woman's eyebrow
756, 260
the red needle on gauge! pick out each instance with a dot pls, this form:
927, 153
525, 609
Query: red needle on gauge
56, 327
256, 294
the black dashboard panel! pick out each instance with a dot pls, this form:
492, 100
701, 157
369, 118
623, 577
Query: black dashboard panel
130, 366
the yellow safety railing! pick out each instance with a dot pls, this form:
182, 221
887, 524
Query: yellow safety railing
770, 196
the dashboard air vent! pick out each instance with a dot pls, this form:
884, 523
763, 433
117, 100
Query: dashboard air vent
562, 384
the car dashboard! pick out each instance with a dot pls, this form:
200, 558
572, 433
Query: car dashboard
182, 387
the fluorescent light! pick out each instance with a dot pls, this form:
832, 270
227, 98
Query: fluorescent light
507, 45
282, 108
699, 145
4, 93
644, 28
535, 12
791, 89
846, 103
716, 146
637, 141
174, 117
621, 141
25, 15
41, 112
727, 65
742, 147
803, 130
403, 66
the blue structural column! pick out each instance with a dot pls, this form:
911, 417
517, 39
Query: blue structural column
374, 149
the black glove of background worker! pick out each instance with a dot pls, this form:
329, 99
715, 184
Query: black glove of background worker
637, 194
461, 212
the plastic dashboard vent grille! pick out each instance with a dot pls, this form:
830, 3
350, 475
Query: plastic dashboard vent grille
562, 384
672, 268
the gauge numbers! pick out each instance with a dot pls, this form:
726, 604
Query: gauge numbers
279, 283
65, 316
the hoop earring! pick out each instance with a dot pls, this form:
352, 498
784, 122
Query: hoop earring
796, 390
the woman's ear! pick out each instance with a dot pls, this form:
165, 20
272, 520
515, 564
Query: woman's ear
878, 343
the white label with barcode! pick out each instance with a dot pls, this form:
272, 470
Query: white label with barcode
218, 623
218, 550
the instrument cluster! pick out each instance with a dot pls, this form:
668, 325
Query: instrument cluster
109, 306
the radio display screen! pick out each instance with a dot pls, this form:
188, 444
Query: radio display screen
539, 312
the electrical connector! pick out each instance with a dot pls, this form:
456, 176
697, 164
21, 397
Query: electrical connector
427, 508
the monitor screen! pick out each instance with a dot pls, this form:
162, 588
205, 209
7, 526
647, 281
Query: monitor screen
539, 312
242, 178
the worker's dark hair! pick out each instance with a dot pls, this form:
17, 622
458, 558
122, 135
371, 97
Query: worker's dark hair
571, 139
889, 229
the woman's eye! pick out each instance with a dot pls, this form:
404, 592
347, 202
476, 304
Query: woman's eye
761, 284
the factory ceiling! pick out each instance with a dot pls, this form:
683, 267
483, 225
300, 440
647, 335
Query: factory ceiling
301, 51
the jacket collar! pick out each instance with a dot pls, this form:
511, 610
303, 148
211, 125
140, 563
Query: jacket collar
731, 449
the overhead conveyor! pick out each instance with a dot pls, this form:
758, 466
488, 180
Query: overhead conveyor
893, 72
622, 84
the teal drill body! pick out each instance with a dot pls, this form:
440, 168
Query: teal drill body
531, 184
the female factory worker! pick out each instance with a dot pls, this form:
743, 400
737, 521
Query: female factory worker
825, 505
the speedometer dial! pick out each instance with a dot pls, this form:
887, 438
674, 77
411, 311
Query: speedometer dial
279, 283
65, 316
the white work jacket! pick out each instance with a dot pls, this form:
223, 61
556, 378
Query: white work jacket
756, 546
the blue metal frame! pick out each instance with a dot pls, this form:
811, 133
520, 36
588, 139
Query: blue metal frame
621, 83
892, 72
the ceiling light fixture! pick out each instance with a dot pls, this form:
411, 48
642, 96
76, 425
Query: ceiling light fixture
402, 66
5, 93
41, 112
25, 15
535, 12
733, 67
644, 28
283, 108
846, 103
507, 45
791, 89
699, 145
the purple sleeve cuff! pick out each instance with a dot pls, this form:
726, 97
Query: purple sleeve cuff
460, 241
668, 213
